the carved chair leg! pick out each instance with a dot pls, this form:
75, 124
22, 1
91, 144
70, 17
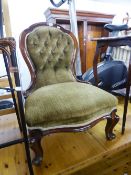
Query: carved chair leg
35, 145
112, 120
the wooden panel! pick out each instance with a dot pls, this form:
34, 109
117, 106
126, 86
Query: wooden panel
81, 45
93, 31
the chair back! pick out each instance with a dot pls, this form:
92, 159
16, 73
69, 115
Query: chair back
48, 50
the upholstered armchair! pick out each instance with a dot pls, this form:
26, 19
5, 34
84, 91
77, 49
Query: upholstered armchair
55, 101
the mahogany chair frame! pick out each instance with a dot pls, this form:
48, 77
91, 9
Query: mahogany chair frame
37, 134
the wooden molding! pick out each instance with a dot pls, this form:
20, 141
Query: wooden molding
81, 15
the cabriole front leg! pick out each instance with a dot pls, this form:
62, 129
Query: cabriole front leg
35, 145
112, 120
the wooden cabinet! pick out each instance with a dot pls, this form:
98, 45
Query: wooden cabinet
90, 25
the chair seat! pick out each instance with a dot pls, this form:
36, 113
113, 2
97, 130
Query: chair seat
74, 103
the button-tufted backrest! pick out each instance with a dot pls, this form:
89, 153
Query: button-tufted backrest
50, 50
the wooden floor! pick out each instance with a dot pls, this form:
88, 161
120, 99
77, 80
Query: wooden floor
86, 153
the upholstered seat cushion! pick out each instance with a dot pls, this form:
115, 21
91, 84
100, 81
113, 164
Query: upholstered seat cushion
67, 103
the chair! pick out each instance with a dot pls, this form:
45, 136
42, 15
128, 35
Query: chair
115, 42
55, 100
8, 49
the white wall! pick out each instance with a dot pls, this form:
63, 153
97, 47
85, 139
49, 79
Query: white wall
26, 12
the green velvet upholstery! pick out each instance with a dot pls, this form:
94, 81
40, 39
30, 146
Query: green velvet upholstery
51, 51
67, 103
57, 98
